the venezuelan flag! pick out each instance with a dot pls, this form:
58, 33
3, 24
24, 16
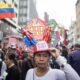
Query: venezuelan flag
6, 11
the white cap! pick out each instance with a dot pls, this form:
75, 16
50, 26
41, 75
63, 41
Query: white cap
41, 46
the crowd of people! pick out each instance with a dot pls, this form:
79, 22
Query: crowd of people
44, 64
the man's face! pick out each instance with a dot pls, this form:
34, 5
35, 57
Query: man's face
41, 59
7, 61
30, 55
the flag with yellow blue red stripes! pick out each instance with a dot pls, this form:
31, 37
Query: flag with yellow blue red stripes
6, 10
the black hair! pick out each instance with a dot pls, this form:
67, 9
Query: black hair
72, 47
77, 45
12, 57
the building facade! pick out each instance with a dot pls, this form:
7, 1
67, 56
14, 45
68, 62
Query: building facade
78, 20
72, 34
27, 11
24, 10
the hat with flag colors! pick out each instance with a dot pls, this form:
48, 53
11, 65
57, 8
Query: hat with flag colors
41, 46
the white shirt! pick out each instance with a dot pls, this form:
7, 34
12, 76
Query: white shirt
67, 72
52, 74
3, 70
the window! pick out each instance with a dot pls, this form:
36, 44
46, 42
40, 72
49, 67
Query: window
21, 11
21, 3
25, 6
24, 11
24, 3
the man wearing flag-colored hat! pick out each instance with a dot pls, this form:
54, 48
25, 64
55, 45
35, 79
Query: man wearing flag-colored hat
43, 71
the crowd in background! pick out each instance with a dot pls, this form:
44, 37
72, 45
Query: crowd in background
15, 62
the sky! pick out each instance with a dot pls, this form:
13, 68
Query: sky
63, 11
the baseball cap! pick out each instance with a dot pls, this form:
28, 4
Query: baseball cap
41, 46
